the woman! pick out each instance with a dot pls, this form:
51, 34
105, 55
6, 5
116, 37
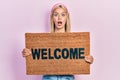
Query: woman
60, 22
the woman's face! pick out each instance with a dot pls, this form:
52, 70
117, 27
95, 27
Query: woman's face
59, 18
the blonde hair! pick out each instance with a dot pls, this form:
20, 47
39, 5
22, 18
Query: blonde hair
52, 24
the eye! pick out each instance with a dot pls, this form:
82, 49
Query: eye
63, 15
55, 14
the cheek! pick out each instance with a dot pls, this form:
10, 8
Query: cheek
54, 19
64, 20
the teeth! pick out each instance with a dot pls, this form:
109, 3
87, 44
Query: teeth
59, 22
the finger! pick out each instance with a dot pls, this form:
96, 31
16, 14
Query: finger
24, 55
87, 59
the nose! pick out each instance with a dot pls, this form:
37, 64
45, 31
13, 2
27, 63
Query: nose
59, 17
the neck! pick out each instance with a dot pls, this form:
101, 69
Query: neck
57, 30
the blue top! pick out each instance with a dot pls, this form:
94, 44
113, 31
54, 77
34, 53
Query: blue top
58, 77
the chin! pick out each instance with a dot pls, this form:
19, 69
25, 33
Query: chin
59, 27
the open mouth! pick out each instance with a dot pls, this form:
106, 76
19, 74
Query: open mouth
59, 23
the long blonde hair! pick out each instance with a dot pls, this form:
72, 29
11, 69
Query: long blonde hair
52, 24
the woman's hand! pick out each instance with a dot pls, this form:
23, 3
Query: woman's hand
89, 59
26, 52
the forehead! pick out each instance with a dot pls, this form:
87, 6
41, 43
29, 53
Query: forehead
59, 10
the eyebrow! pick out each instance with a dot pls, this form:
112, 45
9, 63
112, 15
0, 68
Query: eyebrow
62, 12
